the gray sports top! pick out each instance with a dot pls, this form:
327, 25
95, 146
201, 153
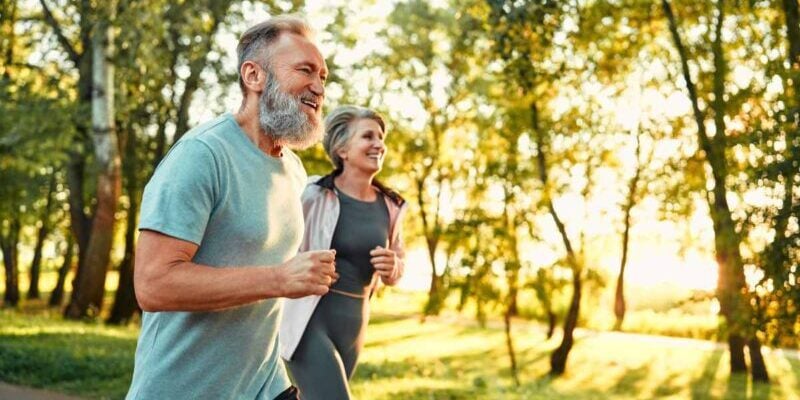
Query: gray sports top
361, 227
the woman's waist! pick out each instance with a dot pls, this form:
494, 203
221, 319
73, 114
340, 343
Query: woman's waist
352, 283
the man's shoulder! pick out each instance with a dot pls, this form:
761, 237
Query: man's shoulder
210, 128
293, 158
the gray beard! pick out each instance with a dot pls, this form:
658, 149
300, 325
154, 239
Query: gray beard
282, 119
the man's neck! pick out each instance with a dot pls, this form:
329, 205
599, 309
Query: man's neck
247, 118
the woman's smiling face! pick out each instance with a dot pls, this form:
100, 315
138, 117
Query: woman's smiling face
365, 150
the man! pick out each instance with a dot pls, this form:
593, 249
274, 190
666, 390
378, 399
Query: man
221, 219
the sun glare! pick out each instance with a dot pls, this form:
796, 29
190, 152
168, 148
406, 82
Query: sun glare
693, 272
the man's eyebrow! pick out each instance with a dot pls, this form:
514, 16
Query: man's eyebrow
311, 64
322, 68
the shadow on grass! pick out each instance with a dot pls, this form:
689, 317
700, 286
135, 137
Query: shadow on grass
384, 318
464, 393
701, 387
795, 366
463, 364
736, 387
667, 387
416, 334
84, 364
761, 391
630, 380
392, 340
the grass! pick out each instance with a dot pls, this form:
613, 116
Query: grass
444, 358
39, 349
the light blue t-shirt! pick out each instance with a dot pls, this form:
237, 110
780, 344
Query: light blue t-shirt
215, 188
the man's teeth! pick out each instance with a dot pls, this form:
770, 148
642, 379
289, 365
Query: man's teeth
309, 103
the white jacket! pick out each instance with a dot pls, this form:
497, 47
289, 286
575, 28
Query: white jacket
321, 212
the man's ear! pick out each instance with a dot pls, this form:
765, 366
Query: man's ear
253, 76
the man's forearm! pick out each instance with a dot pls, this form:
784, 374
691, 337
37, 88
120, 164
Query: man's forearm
186, 286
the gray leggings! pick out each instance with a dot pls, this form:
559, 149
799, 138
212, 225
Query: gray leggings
327, 354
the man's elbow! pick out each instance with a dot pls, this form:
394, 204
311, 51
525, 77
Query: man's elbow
148, 293
146, 299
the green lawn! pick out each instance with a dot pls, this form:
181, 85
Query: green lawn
443, 358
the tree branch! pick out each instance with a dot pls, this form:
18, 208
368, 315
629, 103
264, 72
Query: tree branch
51, 20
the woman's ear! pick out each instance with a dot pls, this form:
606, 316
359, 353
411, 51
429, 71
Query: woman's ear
342, 152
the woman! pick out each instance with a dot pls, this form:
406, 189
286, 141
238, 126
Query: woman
350, 212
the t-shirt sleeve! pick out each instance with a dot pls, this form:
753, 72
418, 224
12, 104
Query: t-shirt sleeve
182, 193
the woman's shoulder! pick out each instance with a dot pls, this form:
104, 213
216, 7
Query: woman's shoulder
315, 187
389, 193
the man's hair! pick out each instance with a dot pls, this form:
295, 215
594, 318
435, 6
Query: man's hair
338, 129
255, 42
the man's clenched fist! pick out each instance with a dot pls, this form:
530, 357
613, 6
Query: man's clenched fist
311, 272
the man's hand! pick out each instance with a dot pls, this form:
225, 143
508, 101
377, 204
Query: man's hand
312, 272
385, 263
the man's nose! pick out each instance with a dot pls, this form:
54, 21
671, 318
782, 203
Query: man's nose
318, 87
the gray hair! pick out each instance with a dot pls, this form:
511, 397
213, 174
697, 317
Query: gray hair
338, 132
255, 42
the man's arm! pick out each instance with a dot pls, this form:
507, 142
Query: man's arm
166, 279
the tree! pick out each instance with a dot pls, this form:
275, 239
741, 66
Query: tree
734, 306
523, 40
33, 111
427, 43
44, 230
776, 141
89, 289
57, 294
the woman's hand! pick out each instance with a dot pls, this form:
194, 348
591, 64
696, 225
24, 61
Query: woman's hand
386, 264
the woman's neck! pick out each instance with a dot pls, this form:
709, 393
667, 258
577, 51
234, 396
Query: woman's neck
355, 184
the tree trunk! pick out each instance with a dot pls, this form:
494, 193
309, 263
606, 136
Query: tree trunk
558, 360
434, 303
510, 342
8, 245
619, 295
551, 323
57, 296
429, 225
36, 264
91, 284
736, 348
125, 305
758, 369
